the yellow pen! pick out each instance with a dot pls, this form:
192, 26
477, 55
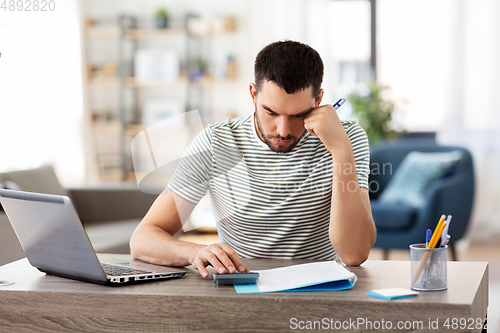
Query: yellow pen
438, 238
438, 227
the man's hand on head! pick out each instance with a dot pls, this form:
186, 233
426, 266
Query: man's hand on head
221, 257
324, 123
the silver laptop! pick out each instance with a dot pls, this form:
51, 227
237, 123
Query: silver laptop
56, 243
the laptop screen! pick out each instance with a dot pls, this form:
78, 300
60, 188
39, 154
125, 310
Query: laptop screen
51, 234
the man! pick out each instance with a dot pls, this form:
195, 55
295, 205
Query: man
287, 181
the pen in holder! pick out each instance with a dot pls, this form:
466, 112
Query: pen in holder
428, 267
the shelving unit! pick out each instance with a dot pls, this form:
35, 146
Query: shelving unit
115, 125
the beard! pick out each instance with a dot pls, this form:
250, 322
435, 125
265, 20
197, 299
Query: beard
268, 139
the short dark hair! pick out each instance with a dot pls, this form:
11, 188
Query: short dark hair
293, 66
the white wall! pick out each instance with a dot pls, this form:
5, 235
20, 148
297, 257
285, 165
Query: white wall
41, 90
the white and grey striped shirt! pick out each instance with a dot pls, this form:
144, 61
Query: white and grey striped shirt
267, 204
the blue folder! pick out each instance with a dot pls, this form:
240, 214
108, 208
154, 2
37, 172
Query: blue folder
325, 286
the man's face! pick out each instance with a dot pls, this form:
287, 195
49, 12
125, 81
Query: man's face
279, 116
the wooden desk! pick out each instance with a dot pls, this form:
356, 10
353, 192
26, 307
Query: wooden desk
192, 304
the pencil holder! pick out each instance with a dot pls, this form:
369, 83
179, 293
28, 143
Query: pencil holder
428, 267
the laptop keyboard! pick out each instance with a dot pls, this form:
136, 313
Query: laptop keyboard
120, 271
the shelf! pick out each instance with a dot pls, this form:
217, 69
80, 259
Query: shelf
134, 83
104, 81
107, 125
113, 32
104, 32
154, 33
134, 129
208, 80
131, 82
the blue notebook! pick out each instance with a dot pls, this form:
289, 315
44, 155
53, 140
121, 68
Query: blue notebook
318, 276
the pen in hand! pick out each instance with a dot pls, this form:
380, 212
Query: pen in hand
339, 103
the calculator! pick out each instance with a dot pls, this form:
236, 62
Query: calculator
236, 278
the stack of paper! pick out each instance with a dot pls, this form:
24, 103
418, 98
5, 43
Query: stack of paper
324, 275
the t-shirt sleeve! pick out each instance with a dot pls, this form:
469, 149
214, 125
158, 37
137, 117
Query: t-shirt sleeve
191, 178
361, 150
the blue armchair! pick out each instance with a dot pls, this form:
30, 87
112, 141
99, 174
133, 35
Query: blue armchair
398, 226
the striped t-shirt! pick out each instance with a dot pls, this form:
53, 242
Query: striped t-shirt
268, 204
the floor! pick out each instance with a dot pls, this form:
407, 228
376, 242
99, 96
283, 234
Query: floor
489, 252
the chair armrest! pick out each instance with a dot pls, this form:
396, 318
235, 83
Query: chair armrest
122, 201
449, 196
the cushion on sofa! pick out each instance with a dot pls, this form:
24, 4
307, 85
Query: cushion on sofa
393, 216
409, 184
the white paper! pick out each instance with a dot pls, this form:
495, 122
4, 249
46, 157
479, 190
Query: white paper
297, 276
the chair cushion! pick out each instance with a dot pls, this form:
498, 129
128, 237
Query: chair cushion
392, 216
416, 173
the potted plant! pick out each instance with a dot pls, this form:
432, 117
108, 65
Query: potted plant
161, 18
374, 114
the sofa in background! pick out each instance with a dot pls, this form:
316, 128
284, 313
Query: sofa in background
109, 212
400, 225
